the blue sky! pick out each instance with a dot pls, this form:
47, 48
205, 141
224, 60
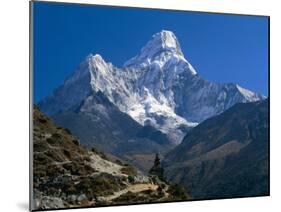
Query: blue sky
222, 48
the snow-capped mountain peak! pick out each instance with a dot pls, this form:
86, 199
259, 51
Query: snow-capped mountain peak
166, 40
158, 87
162, 49
97, 63
161, 41
95, 57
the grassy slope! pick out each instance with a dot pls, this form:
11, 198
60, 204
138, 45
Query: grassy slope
225, 156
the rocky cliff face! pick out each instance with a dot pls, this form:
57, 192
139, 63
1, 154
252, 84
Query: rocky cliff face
67, 175
226, 155
158, 87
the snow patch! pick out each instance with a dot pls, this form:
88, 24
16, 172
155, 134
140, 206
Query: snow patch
249, 95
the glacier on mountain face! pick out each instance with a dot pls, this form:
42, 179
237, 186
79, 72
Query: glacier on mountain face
157, 87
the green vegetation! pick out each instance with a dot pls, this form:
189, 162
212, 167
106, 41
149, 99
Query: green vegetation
157, 169
129, 170
131, 179
105, 184
143, 196
177, 192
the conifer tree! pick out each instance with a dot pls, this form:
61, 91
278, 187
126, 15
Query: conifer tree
157, 169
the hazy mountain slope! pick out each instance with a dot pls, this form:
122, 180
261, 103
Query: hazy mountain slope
226, 155
158, 87
74, 90
67, 175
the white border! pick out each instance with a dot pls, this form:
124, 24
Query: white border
14, 107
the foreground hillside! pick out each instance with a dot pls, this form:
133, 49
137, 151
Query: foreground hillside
225, 156
65, 174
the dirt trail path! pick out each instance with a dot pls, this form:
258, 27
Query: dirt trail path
132, 188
